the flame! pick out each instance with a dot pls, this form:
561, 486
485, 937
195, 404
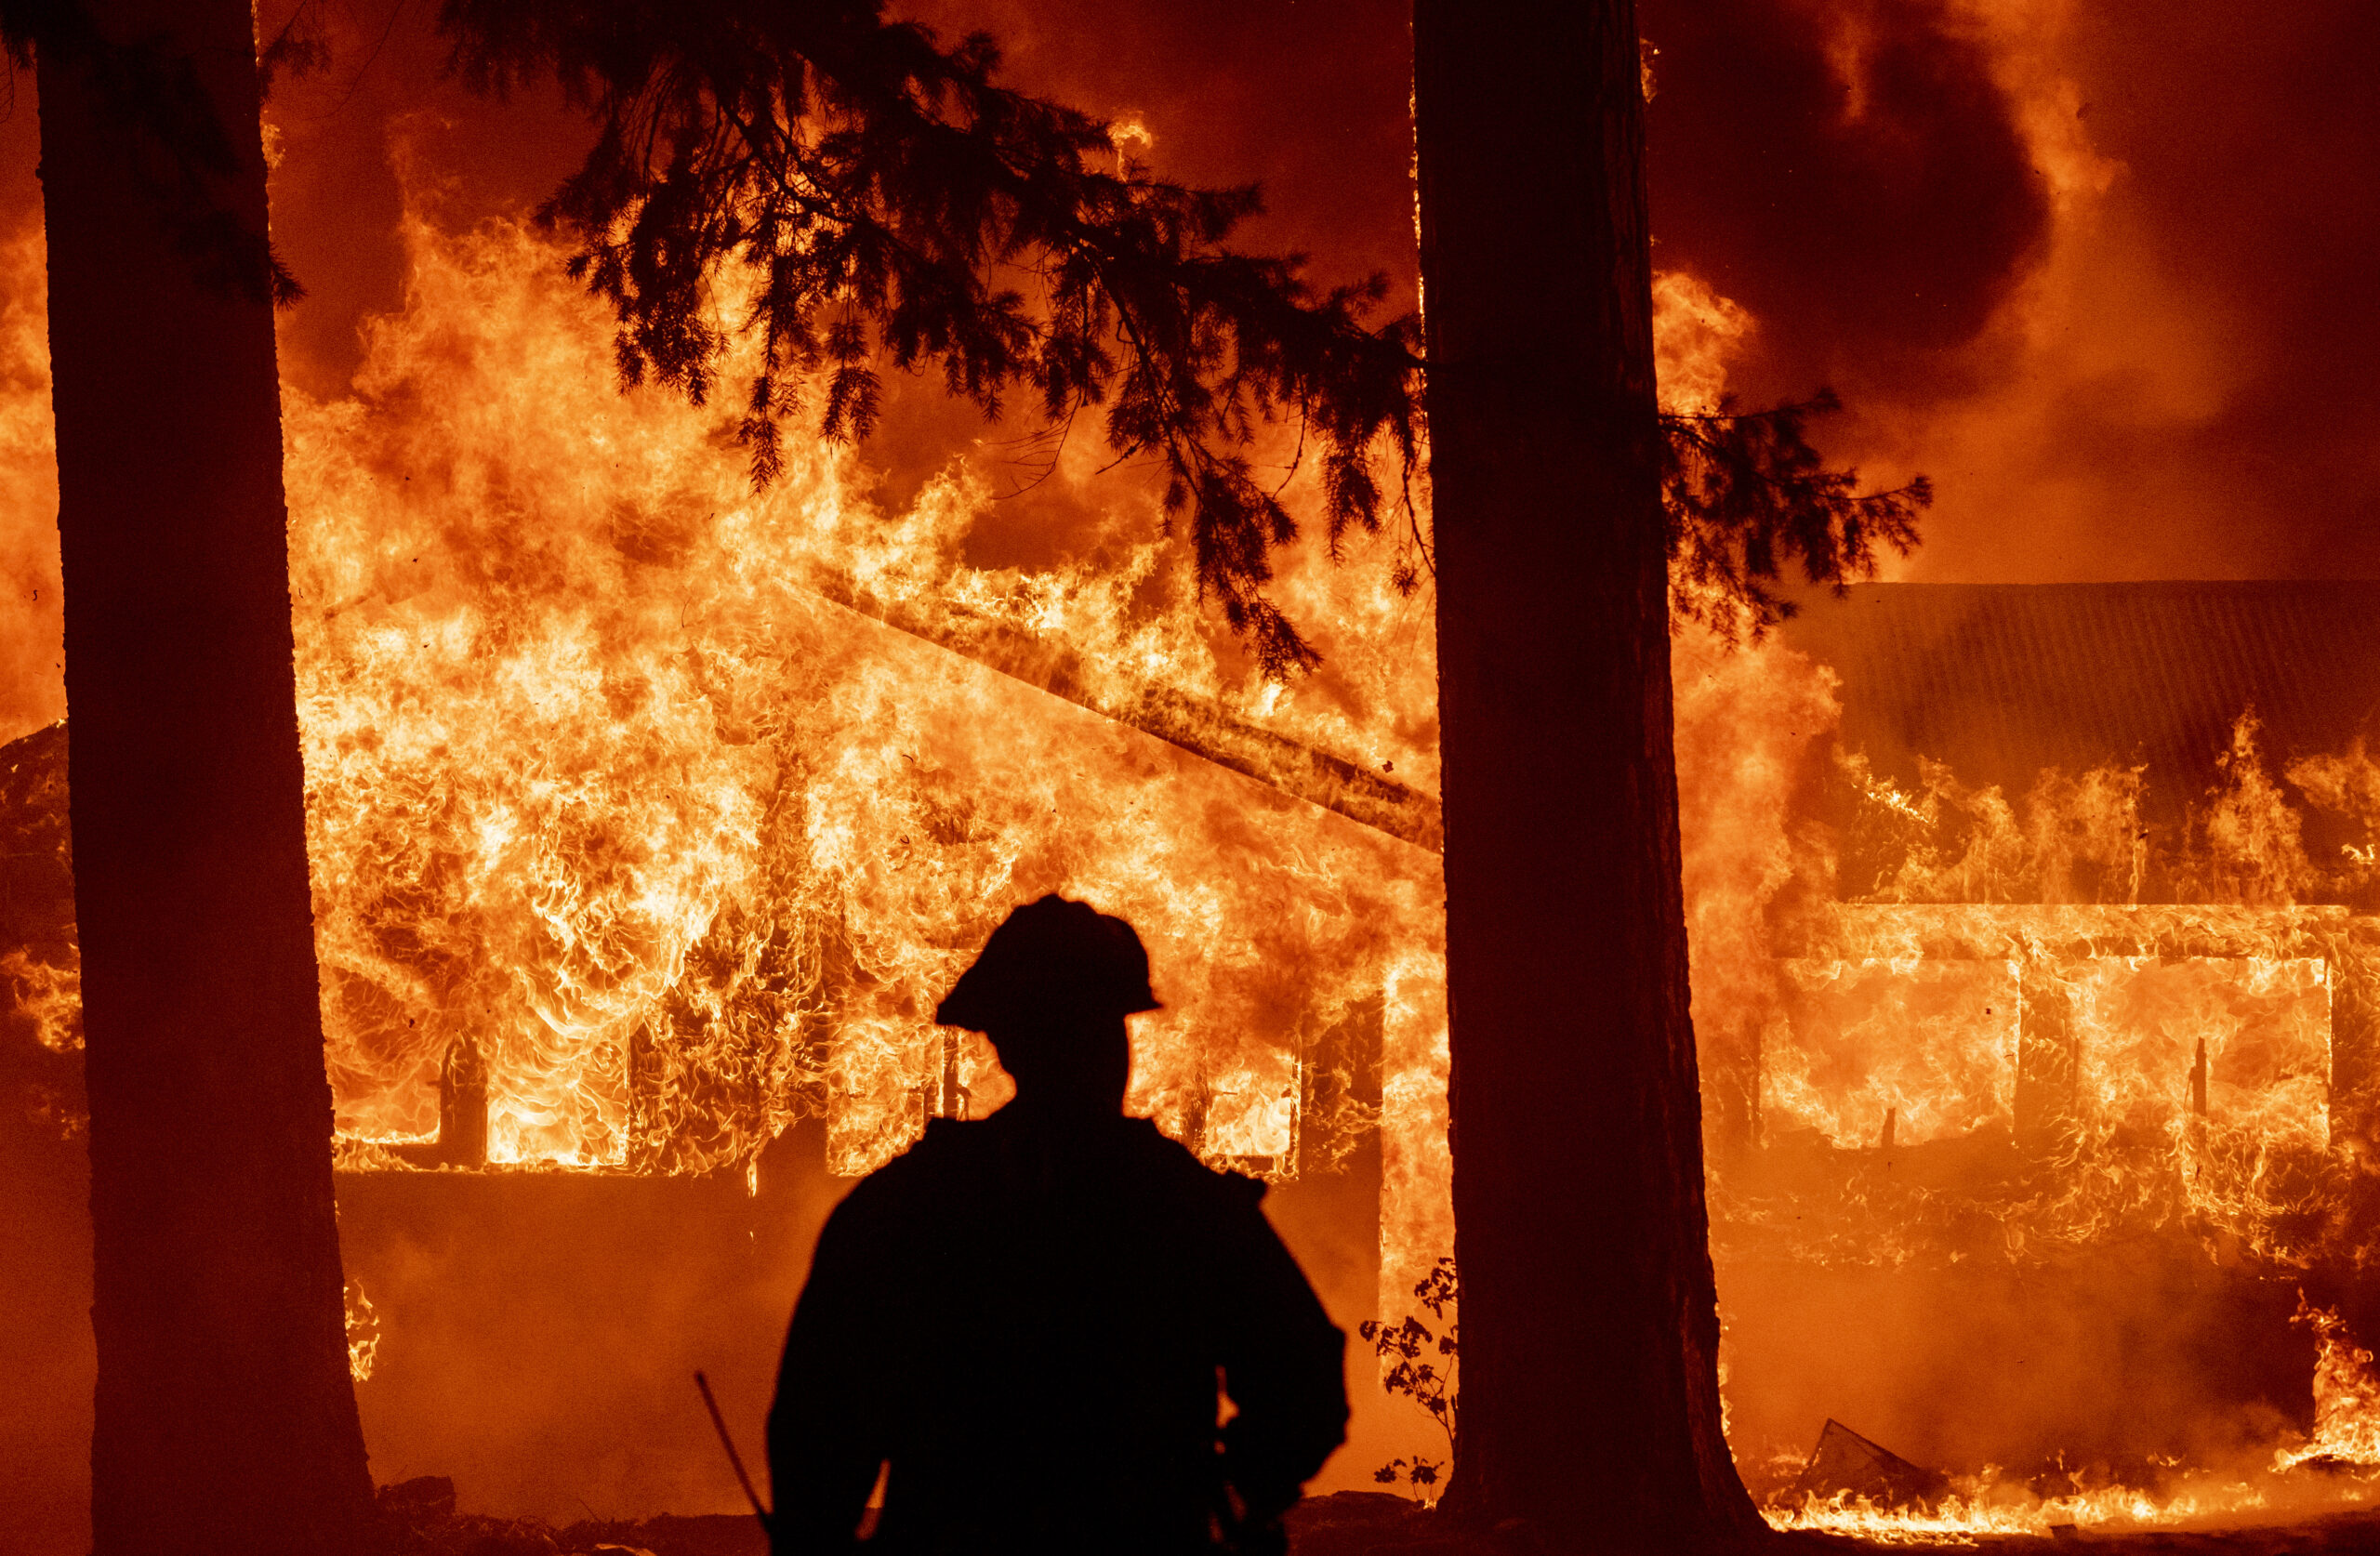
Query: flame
33, 687
1991, 971
1417, 1167
623, 775
2347, 784
363, 1332
2116, 1033
51, 995
1696, 334
2345, 1436
2346, 1397
2252, 834
1746, 719
1876, 1053
1990, 1507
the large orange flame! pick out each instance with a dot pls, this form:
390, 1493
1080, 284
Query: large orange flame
606, 783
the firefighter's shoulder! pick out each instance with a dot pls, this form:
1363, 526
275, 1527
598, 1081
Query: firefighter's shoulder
1181, 1167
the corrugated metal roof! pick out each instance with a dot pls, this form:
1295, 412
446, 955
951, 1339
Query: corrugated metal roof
2002, 679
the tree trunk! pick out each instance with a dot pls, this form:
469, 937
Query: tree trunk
1590, 1330
224, 1417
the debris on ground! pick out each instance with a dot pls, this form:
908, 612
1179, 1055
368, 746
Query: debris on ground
1346, 1523
1847, 1465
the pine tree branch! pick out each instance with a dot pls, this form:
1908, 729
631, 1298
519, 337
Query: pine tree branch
1744, 494
869, 190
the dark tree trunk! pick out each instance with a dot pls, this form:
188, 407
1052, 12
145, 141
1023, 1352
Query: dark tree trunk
1589, 1331
225, 1419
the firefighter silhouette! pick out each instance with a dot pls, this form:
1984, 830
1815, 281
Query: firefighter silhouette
1024, 1320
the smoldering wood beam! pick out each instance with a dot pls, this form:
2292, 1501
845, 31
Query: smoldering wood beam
1191, 723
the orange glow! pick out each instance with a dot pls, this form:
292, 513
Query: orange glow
672, 808
607, 780
51, 995
363, 1332
33, 687
681, 805
2346, 1398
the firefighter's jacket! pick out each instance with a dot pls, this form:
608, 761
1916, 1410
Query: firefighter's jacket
1024, 1320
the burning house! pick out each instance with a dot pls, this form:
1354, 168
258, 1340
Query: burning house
2055, 1099
2049, 1053
2034, 931
648, 816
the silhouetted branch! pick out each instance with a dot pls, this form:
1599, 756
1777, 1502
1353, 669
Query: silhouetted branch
882, 197
1745, 492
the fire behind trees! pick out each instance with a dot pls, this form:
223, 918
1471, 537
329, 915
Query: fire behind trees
849, 191
871, 193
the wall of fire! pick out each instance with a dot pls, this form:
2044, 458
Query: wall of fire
650, 815
1984, 1026
2040, 1076
2049, 1086
2083, 946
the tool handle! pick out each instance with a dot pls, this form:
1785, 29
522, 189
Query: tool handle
759, 1510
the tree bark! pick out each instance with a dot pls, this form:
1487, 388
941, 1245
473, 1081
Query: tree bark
224, 1419
1590, 1403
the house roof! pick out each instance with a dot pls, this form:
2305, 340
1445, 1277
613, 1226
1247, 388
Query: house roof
2001, 680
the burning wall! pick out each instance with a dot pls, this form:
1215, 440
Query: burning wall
693, 837
2162, 941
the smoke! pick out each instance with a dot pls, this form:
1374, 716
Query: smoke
2131, 1356
2098, 270
1851, 174
540, 1332
1309, 99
